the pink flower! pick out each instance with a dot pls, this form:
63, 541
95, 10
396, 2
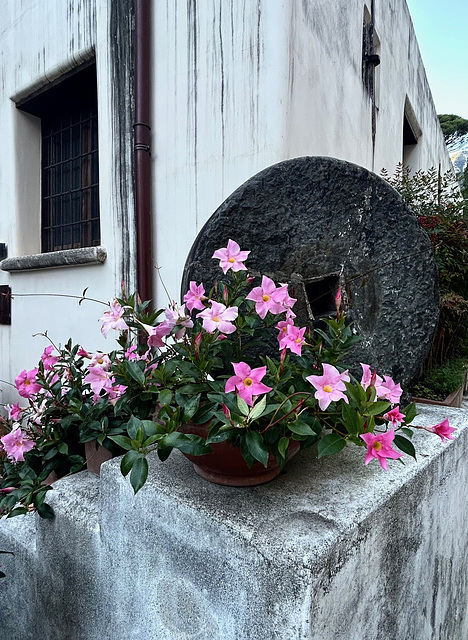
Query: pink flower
282, 327
16, 444
82, 353
115, 392
193, 297
231, 257
379, 446
26, 383
113, 319
218, 317
98, 379
389, 390
247, 382
268, 297
156, 334
132, 353
49, 360
294, 339
330, 385
100, 359
178, 317
14, 411
286, 300
395, 417
443, 429
367, 376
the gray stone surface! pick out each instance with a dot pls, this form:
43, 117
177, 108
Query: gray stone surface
65, 258
310, 217
331, 550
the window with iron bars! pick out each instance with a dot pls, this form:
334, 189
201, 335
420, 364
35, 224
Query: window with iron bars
70, 161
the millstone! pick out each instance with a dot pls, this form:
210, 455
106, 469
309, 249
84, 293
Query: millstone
317, 223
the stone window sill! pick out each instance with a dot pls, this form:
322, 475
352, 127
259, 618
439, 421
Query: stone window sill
55, 259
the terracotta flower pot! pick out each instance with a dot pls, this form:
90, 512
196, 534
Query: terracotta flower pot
227, 466
95, 456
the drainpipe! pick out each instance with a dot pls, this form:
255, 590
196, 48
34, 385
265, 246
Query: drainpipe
142, 150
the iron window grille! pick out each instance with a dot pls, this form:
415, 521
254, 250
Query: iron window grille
70, 161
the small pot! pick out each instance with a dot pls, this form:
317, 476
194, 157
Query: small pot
226, 465
96, 454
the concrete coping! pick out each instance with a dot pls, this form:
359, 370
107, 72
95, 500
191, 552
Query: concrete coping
55, 259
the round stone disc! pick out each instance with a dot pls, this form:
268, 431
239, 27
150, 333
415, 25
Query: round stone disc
317, 223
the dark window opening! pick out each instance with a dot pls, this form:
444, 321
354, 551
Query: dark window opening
321, 295
70, 162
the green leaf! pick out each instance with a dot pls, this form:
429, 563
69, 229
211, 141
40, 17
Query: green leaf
257, 409
187, 442
165, 396
136, 373
405, 445
377, 408
152, 439
301, 428
122, 441
410, 412
283, 445
190, 408
152, 428
132, 427
51, 453
63, 448
45, 511
256, 446
243, 406
353, 422
139, 474
407, 432
330, 444
128, 461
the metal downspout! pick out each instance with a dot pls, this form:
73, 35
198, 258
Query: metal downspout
142, 150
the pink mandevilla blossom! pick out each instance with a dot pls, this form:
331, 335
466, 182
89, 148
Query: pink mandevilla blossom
330, 385
115, 392
390, 390
176, 316
16, 444
113, 319
366, 380
157, 333
443, 430
395, 417
282, 327
132, 353
247, 382
98, 379
218, 317
231, 257
294, 339
268, 297
48, 359
379, 445
82, 353
14, 411
26, 383
100, 359
193, 297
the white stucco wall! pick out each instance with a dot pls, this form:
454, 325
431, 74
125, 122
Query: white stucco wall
241, 85
238, 85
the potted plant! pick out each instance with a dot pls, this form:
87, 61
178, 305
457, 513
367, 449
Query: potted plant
228, 372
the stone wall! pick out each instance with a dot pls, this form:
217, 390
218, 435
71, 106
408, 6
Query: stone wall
331, 550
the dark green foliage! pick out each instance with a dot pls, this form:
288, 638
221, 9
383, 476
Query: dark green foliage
452, 126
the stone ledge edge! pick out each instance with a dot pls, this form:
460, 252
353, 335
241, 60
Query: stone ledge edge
64, 258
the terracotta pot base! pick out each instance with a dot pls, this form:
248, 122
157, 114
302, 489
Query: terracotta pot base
227, 467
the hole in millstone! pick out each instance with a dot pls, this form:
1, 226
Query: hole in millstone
320, 294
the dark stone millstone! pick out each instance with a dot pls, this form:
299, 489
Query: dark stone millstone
314, 222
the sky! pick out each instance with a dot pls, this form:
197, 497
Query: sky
441, 28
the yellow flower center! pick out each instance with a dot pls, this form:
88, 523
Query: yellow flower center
265, 298
27, 381
231, 260
298, 340
248, 382
377, 446
328, 388
216, 319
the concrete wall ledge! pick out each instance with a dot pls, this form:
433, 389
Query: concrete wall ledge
331, 550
